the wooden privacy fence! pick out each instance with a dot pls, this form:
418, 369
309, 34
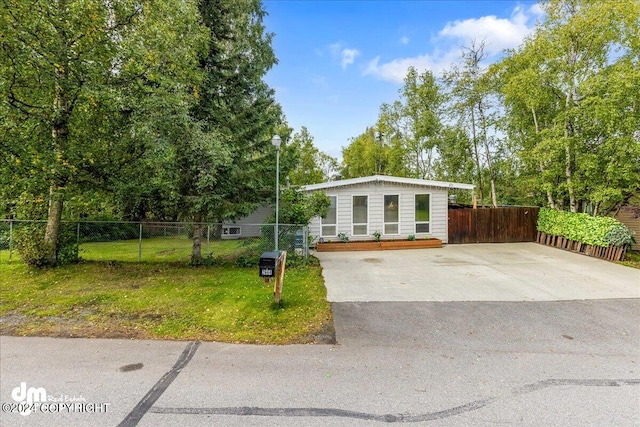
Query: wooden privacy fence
493, 225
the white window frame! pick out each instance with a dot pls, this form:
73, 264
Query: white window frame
335, 225
353, 196
415, 222
384, 223
226, 230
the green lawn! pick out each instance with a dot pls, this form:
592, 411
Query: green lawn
151, 249
631, 259
155, 249
161, 300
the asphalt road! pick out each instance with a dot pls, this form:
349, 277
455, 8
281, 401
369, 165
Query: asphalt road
569, 363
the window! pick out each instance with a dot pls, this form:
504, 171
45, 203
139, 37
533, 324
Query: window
423, 214
329, 221
230, 231
391, 210
360, 216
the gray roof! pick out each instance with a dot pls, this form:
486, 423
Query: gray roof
388, 179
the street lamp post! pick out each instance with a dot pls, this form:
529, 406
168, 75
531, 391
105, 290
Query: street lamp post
276, 143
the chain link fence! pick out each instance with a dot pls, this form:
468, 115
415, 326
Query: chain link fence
161, 241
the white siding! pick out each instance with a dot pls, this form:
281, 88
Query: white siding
376, 192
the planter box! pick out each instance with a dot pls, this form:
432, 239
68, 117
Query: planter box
610, 253
378, 246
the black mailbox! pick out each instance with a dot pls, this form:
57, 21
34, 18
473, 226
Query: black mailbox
269, 264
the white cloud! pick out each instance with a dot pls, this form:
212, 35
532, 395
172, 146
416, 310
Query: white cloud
404, 40
348, 56
497, 33
345, 55
396, 69
537, 10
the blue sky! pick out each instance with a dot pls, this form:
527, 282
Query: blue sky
338, 61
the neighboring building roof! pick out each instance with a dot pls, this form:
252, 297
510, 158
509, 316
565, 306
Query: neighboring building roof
389, 179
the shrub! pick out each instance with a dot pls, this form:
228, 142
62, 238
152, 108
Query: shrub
621, 235
411, 237
29, 241
248, 259
377, 235
4, 239
579, 227
104, 229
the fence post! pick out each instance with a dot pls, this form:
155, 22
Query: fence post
140, 244
10, 238
305, 243
78, 234
208, 234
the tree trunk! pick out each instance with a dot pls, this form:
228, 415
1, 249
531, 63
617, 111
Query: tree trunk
568, 172
196, 250
485, 142
60, 137
475, 149
550, 200
54, 218
572, 198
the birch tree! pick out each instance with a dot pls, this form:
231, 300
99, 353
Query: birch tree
72, 69
473, 105
576, 79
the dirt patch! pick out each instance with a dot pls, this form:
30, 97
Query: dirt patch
327, 335
22, 325
129, 327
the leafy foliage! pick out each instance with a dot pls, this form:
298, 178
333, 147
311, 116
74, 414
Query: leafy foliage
82, 84
29, 242
404, 140
621, 235
297, 208
580, 227
571, 113
554, 122
311, 165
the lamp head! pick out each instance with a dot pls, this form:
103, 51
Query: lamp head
276, 141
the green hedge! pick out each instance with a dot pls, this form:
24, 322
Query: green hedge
596, 231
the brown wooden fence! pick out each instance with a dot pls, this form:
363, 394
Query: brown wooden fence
493, 225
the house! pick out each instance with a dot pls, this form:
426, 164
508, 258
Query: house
395, 207
248, 226
630, 216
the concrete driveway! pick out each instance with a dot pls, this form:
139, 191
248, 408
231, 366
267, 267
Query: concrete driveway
479, 272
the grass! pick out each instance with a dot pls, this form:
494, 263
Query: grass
161, 300
631, 259
155, 249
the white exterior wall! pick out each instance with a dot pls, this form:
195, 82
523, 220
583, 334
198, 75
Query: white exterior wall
376, 192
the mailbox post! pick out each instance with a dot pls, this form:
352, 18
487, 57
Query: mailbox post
272, 266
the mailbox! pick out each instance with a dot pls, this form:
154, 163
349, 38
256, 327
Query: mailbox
269, 264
